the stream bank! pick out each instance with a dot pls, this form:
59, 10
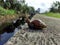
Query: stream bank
5, 21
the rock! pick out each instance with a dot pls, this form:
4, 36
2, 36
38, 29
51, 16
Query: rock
38, 23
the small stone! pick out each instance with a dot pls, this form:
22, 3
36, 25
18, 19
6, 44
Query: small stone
9, 43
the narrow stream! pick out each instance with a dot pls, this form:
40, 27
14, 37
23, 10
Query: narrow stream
6, 36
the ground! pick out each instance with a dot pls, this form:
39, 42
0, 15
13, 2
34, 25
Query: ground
47, 36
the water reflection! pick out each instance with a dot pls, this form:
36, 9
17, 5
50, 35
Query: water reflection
6, 36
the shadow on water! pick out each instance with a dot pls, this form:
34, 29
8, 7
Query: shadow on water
6, 36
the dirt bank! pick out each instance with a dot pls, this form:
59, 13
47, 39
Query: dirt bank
7, 18
48, 36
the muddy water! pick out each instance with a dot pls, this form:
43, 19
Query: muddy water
6, 36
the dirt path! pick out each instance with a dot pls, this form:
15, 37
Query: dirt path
48, 36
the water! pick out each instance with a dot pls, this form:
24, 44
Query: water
6, 36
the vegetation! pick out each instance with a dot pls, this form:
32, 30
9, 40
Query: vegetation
55, 7
14, 6
51, 14
54, 10
6, 12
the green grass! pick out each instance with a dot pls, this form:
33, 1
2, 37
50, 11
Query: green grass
6, 12
56, 15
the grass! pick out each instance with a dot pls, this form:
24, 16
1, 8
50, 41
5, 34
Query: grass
56, 15
6, 11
